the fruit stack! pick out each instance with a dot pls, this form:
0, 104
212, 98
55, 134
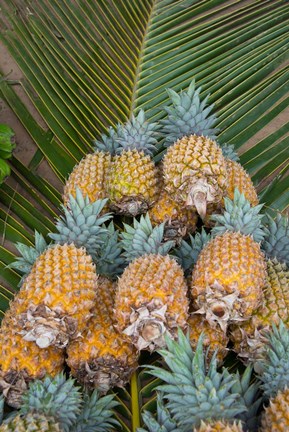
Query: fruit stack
194, 254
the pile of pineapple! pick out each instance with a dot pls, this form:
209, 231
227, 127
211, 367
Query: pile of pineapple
175, 257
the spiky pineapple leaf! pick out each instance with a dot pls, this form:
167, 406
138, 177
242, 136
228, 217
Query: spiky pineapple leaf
239, 216
56, 397
96, 414
142, 238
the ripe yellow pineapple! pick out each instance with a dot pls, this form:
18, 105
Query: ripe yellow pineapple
132, 181
240, 179
194, 165
214, 337
248, 337
230, 274
56, 297
103, 358
151, 297
179, 220
90, 176
195, 172
219, 426
22, 361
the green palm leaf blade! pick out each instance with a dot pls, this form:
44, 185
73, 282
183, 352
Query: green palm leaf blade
88, 65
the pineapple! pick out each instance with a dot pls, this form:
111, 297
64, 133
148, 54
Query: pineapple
132, 180
196, 393
46, 305
273, 371
56, 297
238, 178
194, 166
220, 426
103, 358
214, 340
230, 273
195, 172
248, 338
179, 221
151, 297
22, 361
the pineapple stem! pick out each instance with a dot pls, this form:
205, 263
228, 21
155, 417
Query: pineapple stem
135, 402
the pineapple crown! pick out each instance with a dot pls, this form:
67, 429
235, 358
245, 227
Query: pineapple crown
163, 423
109, 261
136, 133
142, 238
273, 367
229, 152
29, 254
96, 414
250, 394
195, 393
188, 251
188, 115
108, 142
276, 241
60, 399
82, 224
54, 397
239, 216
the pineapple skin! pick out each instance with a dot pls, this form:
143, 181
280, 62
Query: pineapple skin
240, 179
179, 221
151, 300
103, 358
54, 302
248, 337
214, 337
228, 279
31, 422
90, 176
132, 183
195, 166
22, 361
275, 418
219, 426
